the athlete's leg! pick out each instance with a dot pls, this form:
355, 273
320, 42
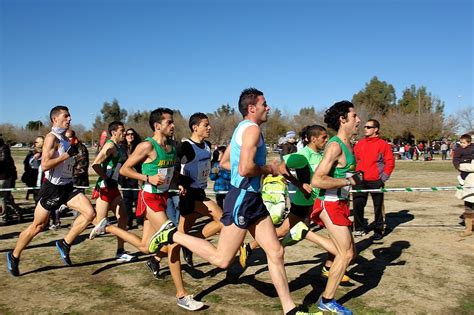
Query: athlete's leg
80, 203
344, 244
230, 239
211, 209
118, 207
40, 220
101, 208
157, 219
264, 233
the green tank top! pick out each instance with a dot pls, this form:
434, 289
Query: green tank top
339, 172
163, 164
111, 165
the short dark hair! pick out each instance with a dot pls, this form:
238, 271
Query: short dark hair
466, 137
156, 116
114, 125
376, 123
332, 114
248, 97
311, 131
195, 119
72, 132
56, 110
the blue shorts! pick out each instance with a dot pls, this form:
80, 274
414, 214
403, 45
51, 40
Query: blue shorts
243, 208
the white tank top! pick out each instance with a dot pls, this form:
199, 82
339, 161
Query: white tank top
198, 169
62, 173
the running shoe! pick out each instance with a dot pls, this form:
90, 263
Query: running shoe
12, 264
99, 229
377, 236
325, 274
189, 303
125, 257
333, 307
188, 257
245, 252
162, 237
360, 233
298, 311
154, 266
296, 234
64, 252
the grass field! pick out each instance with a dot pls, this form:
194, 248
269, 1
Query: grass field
420, 267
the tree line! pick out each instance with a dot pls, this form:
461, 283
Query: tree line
416, 116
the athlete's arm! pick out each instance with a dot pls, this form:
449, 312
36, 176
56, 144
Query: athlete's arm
305, 188
107, 150
225, 159
321, 178
49, 148
142, 153
247, 166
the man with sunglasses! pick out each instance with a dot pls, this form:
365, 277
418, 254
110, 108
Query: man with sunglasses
375, 159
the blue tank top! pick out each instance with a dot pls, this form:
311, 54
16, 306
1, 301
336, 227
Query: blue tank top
247, 183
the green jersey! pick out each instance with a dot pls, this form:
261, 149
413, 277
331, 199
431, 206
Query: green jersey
111, 165
339, 172
163, 165
304, 161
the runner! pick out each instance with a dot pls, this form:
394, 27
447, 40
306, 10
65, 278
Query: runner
158, 156
57, 189
195, 157
334, 177
243, 207
107, 165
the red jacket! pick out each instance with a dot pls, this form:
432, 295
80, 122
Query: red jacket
374, 157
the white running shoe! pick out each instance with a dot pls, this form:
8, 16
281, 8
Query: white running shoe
99, 229
125, 257
189, 303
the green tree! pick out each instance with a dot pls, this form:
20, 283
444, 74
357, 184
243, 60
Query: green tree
275, 127
223, 121
34, 125
378, 97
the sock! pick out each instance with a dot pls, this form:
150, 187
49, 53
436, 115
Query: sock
120, 251
292, 311
66, 244
326, 300
170, 236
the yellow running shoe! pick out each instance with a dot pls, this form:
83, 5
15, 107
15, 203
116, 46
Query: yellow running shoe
325, 274
245, 252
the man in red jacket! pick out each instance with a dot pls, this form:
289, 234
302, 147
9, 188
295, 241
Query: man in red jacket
374, 157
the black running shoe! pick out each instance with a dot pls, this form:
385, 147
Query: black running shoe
64, 250
154, 266
188, 257
12, 264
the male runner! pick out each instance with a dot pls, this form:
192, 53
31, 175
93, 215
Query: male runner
57, 162
334, 177
243, 207
195, 157
158, 156
107, 165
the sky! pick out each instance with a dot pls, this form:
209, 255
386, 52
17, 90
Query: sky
197, 55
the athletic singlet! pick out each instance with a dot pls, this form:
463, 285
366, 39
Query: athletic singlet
111, 165
246, 183
339, 172
62, 173
163, 164
198, 169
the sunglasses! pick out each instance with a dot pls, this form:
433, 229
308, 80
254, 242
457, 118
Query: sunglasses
130, 134
369, 127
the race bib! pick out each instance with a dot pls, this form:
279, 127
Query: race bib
167, 174
204, 167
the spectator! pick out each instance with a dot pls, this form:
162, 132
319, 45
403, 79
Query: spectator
8, 176
463, 156
132, 139
31, 165
444, 151
375, 159
220, 175
81, 161
290, 144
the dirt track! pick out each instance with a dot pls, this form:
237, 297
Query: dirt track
421, 266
